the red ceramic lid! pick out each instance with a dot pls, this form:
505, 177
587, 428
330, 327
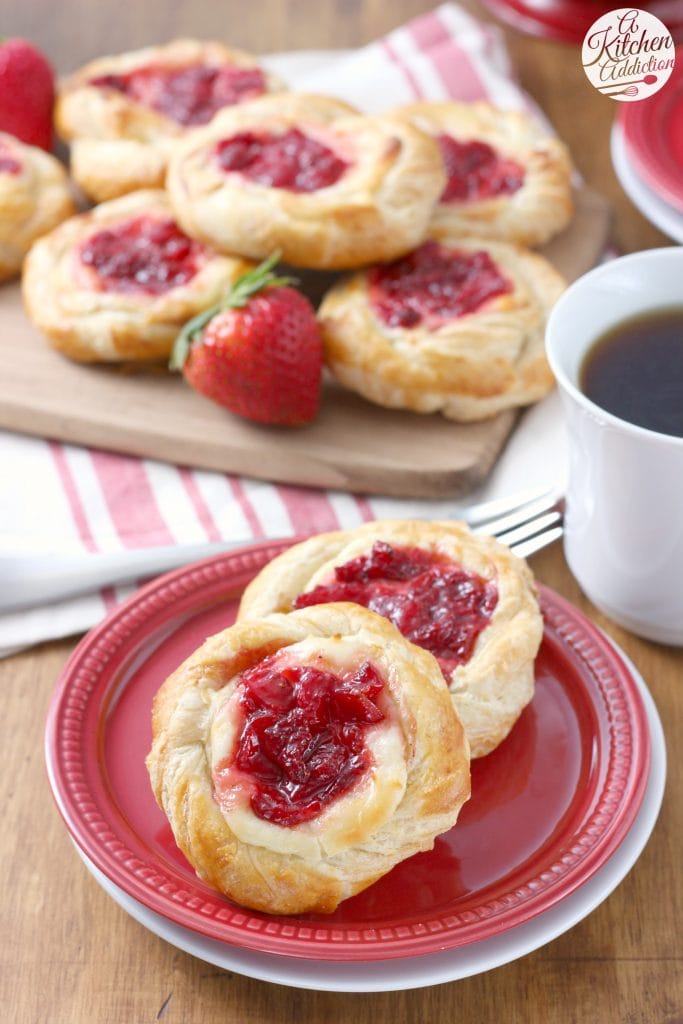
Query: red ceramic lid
569, 20
653, 134
548, 807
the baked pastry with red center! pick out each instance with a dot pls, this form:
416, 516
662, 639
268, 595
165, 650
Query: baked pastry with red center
455, 327
121, 113
10, 160
308, 176
466, 599
34, 197
507, 177
118, 282
299, 757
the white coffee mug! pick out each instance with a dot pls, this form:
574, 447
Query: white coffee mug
623, 537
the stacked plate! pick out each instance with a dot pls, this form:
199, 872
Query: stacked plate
558, 815
647, 153
569, 20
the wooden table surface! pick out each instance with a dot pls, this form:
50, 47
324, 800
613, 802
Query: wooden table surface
69, 954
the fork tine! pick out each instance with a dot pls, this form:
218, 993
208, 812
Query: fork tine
489, 512
535, 543
530, 528
550, 501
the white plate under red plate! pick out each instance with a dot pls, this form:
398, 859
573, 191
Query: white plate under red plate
548, 809
653, 135
658, 212
436, 968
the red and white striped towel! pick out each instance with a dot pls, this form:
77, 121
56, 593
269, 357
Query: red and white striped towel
58, 497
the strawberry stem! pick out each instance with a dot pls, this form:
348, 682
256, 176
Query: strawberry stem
244, 288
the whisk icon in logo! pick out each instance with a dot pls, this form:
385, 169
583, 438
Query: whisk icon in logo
628, 54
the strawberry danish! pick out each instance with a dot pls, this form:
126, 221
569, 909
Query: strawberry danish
306, 175
507, 177
121, 113
35, 196
299, 757
466, 599
118, 282
455, 327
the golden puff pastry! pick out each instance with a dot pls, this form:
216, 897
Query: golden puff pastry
299, 757
326, 186
35, 196
507, 177
466, 598
118, 282
122, 112
454, 327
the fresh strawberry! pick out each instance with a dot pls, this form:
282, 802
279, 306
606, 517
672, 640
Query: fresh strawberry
258, 352
27, 92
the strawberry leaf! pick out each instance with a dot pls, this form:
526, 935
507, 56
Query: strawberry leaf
185, 340
255, 281
244, 288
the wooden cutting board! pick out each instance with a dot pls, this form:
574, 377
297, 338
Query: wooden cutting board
352, 446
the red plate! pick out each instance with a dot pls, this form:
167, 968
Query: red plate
653, 133
548, 807
569, 20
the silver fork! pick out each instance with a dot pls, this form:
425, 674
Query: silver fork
532, 524
525, 522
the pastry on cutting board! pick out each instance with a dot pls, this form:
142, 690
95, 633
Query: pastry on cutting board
299, 757
120, 113
508, 178
455, 327
35, 196
306, 175
118, 282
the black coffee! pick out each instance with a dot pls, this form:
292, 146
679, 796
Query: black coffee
635, 371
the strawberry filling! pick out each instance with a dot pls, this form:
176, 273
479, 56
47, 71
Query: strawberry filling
8, 162
144, 254
189, 95
433, 602
434, 284
302, 738
289, 160
475, 171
